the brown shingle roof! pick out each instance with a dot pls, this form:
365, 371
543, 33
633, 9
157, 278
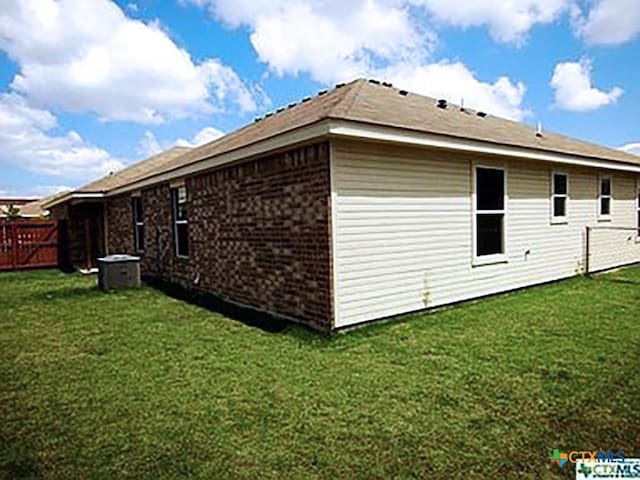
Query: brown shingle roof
370, 103
381, 105
143, 169
37, 208
373, 103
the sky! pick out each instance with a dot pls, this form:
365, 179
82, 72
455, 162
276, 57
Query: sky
90, 86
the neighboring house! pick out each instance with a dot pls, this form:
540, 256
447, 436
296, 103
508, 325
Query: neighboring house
11, 206
367, 202
35, 209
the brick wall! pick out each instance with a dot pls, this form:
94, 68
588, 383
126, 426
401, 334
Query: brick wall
259, 234
119, 221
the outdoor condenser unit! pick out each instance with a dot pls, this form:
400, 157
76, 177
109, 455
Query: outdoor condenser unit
116, 272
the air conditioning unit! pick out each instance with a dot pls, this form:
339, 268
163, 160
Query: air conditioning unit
116, 272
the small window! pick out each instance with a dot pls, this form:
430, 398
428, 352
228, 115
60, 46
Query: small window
604, 199
490, 209
138, 223
181, 225
559, 197
638, 206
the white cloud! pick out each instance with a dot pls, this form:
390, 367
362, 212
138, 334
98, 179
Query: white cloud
88, 56
631, 148
26, 142
574, 91
149, 145
330, 39
507, 21
206, 135
608, 22
334, 41
454, 81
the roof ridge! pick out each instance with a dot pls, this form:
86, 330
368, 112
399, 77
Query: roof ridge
343, 107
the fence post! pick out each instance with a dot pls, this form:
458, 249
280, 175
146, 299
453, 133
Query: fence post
587, 253
14, 245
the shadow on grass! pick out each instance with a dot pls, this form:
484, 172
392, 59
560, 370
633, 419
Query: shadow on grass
622, 280
248, 316
17, 460
69, 293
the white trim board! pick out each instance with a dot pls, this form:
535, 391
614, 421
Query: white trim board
397, 135
73, 196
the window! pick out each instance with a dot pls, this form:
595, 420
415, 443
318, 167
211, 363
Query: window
138, 223
181, 226
559, 197
604, 199
490, 209
638, 206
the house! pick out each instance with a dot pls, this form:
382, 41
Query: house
10, 206
82, 211
35, 209
367, 202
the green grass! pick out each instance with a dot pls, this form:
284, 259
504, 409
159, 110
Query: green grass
139, 385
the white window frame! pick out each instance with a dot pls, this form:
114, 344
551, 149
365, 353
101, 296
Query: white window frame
174, 206
137, 223
498, 257
601, 217
565, 218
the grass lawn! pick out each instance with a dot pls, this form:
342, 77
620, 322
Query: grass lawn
139, 385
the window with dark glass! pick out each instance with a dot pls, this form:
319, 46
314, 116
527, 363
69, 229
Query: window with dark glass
605, 197
489, 211
138, 223
560, 195
181, 225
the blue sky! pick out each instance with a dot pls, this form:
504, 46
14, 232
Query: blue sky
88, 86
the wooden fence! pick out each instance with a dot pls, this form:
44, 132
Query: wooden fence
28, 244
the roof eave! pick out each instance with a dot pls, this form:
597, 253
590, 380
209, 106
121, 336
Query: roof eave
340, 128
73, 196
365, 131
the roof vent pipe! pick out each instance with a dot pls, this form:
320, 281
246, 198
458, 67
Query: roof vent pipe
539, 130
442, 103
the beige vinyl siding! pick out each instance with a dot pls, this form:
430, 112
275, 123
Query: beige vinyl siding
610, 247
403, 228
